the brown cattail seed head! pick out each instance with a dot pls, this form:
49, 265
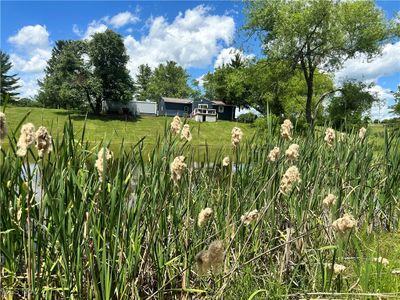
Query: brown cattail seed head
248, 217
237, 135
274, 154
290, 177
3, 126
329, 136
26, 139
204, 215
185, 134
43, 141
328, 201
286, 129
344, 224
177, 167
176, 125
292, 153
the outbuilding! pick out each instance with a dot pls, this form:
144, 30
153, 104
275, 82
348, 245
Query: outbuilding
224, 111
175, 107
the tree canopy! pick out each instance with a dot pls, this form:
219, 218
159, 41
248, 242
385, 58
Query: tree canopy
9, 83
86, 73
169, 80
396, 106
350, 103
319, 34
142, 82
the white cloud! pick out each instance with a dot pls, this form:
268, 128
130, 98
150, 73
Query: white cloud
123, 19
94, 27
32, 64
360, 68
117, 21
226, 55
382, 110
28, 37
192, 39
33, 49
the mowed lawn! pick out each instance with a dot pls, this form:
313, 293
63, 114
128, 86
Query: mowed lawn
115, 129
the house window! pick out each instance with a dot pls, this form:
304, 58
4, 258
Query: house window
203, 105
220, 109
186, 109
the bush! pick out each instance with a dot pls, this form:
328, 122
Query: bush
247, 118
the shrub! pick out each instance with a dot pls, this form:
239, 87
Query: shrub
247, 118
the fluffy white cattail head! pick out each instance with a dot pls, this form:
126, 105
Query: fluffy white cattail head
176, 125
274, 154
26, 139
329, 136
3, 126
43, 141
344, 224
362, 132
292, 153
328, 201
212, 258
237, 135
226, 161
290, 177
286, 129
107, 155
177, 167
248, 217
381, 260
204, 215
185, 134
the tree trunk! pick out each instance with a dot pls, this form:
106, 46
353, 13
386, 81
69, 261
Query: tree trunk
310, 91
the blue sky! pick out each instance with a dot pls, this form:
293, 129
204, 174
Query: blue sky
199, 35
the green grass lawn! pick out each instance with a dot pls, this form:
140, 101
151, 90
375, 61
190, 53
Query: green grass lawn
116, 129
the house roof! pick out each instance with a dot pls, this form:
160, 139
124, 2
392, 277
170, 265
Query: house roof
177, 100
221, 103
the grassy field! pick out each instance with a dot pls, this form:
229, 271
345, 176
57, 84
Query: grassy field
76, 225
113, 130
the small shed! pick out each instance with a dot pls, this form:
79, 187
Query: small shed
224, 111
175, 107
134, 108
203, 111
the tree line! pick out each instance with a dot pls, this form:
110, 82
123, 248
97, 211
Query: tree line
304, 43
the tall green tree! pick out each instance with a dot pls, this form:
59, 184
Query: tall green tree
316, 34
108, 58
9, 83
169, 80
349, 104
66, 77
142, 82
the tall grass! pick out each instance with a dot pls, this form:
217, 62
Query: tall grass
134, 234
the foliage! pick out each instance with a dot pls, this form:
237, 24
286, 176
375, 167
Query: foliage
83, 74
353, 101
247, 118
142, 82
169, 80
66, 234
396, 106
8, 83
68, 82
316, 34
108, 58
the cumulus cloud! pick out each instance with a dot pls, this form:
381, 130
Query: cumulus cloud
192, 39
32, 50
122, 19
226, 55
117, 21
28, 37
361, 68
382, 110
